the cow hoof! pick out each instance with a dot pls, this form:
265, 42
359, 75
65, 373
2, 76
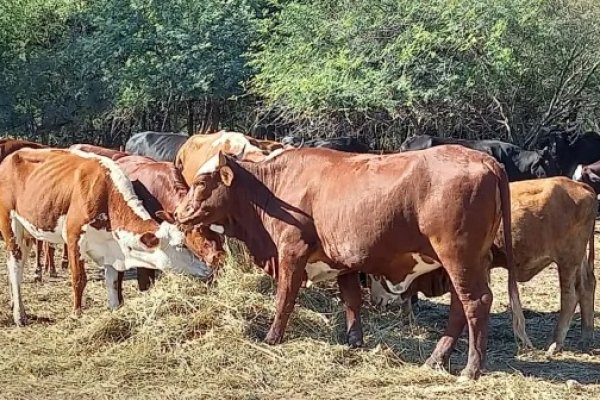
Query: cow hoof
53, 274
273, 339
76, 313
469, 375
586, 343
553, 349
22, 321
355, 340
433, 363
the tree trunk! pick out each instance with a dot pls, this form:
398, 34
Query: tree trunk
190, 117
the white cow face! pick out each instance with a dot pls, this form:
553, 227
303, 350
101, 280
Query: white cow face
161, 250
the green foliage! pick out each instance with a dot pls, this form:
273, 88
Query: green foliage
74, 70
419, 57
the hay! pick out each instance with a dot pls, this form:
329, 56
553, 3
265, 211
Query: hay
184, 339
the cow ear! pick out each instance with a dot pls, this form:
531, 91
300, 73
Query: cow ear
222, 159
226, 175
149, 240
165, 216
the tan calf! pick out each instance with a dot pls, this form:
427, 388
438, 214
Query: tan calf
552, 223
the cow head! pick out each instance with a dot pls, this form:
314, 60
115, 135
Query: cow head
202, 242
209, 195
432, 284
545, 165
162, 249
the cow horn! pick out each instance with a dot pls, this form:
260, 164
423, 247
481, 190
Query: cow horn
240, 155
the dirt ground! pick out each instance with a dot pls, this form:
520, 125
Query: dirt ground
186, 340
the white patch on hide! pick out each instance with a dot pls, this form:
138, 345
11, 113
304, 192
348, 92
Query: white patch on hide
419, 269
171, 233
57, 235
121, 182
578, 173
210, 166
217, 229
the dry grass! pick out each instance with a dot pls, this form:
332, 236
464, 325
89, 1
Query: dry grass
186, 340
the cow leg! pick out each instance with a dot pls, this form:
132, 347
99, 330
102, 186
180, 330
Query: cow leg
288, 285
586, 287
17, 257
351, 294
568, 302
17, 248
456, 325
477, 301
78, 276
113, 288
49, 259
145, 278
39, 249
64, 262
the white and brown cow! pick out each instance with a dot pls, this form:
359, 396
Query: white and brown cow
552, 223
87, 202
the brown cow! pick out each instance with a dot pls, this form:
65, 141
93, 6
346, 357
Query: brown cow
334, 214
198, 149
87, 202
161, 188
552, 222
44, 255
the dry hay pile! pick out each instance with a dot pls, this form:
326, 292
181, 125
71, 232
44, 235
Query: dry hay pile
184, 339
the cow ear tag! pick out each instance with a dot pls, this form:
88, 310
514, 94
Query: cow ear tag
226, 175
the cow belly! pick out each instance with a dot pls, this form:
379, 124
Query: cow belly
320, 272
58, 235
421, 267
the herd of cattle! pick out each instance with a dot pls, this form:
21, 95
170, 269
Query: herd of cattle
431, 221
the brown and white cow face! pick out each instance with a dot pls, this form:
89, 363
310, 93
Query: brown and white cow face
164, 249
209, 195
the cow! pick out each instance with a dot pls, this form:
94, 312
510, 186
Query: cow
540, 209
87, 202
200, 148
571, 149
160, 187
344, 143
329, 214
589, 174
44, 256
519, 164
161, 146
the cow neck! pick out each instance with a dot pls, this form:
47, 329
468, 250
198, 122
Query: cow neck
253, 192
123, 217
172, 191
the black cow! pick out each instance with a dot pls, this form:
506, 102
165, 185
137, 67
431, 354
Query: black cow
572, 149
520, 164
161, 146
344, 143
589, 174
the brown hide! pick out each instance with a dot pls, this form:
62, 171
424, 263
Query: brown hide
161, 187
552, 222
43, 185
366, 213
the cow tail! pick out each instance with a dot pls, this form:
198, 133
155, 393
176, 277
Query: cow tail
591, 249
587, 268
513, 289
